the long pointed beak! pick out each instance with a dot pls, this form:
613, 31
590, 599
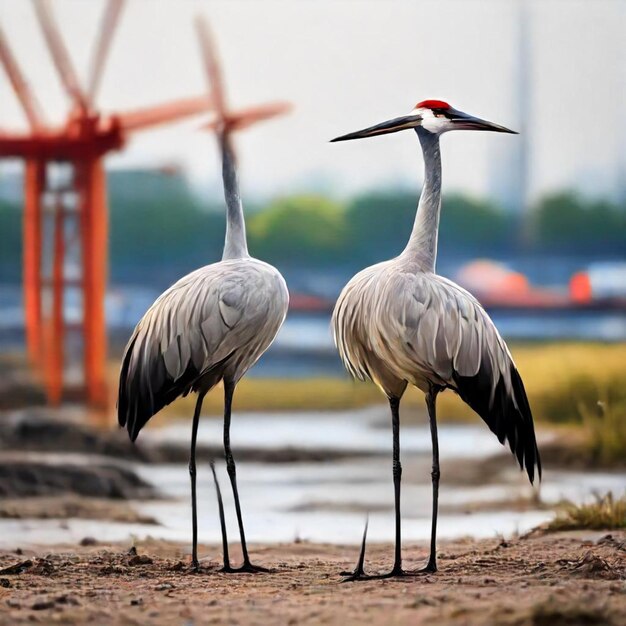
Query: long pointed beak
391, 126
463, 121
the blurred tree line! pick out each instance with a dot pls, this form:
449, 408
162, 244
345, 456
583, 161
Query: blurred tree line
160, 229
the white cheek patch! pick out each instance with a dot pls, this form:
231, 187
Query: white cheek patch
431, 122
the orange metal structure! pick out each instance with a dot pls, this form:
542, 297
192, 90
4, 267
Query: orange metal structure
68, 219
226, 120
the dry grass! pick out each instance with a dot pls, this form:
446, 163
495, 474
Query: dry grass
605, 431
560, 379
569, 384
606, 513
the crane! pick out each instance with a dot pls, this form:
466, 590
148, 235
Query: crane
398, 323
209, 327
213, 324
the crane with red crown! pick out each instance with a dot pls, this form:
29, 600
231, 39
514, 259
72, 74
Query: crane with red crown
398, 323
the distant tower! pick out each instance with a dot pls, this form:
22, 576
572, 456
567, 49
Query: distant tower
509, 177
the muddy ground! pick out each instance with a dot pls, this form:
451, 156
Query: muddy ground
539, 580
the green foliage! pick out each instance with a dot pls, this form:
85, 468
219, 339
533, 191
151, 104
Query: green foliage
159, 228
380, 224
471, 222
566, 220
299, 229
156, 222
10, 240
606, 513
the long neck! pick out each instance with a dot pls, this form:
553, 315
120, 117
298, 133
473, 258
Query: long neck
235, 246
422, 246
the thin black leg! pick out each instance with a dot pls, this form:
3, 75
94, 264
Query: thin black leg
397, 570
229, 390
359, 573
394, 403
220, 506
431, 401
192, 475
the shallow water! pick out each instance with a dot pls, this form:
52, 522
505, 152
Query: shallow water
329, 501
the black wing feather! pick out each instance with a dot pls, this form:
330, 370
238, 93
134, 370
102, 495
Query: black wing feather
509, 416
142, 396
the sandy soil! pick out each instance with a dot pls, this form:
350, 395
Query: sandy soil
551, 580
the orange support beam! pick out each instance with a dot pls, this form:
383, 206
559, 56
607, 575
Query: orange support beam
54, 353
34, 180
94, 236
83, 141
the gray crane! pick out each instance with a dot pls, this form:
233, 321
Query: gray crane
209, 327
398, 323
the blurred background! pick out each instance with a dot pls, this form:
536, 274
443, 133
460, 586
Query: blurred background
534, 225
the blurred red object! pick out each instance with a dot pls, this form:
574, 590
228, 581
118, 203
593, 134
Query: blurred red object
580, 287
495, 284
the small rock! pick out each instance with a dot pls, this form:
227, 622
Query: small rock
132, 551
164, 587
42, 567
136, 602
42, 605
140, 559
64, 599
19, 551
178, 567
88, 541
5, 582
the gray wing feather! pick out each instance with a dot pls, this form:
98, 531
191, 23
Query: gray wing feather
459, 347
228, 310
424, 329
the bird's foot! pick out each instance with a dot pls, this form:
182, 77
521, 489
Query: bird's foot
430, 568
397, 572
360, 575
246, 568
357, 574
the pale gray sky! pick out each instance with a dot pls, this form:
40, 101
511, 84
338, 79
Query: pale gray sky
347, 64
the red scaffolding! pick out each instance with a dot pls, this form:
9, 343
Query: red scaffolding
67, 216
70, 216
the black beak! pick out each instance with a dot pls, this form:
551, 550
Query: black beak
463, 121
391, 126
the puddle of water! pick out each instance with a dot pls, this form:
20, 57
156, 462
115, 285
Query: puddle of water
365, 430
328, 502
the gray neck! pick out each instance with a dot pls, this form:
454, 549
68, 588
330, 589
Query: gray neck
235, 246
422, 246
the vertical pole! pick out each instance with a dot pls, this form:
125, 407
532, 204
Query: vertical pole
94, 236
33, 185
55, 344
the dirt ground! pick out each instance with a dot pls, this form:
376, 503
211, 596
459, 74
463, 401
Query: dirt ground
540, 580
